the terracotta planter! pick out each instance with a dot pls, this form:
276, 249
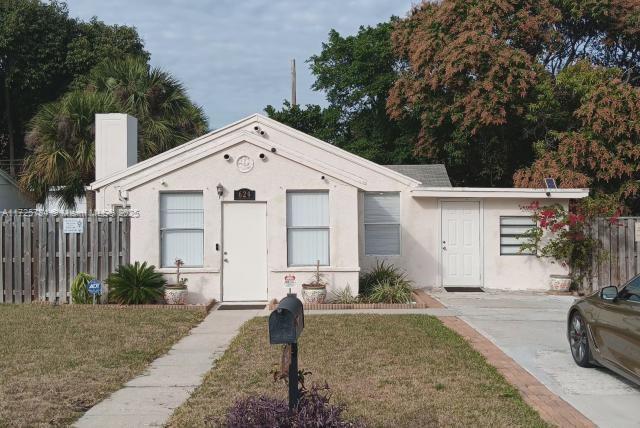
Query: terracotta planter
559, 282
175, 295
314, 294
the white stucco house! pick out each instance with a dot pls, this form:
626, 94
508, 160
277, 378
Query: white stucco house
256, 200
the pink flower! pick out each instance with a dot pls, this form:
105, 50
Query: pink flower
548, 213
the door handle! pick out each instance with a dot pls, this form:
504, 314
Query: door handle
226, 260
444, 248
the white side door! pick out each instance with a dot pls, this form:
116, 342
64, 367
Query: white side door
461, 244
244, 251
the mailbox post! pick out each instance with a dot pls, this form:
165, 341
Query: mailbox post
286, 323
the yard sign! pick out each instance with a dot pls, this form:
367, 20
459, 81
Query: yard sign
94, 287
289, 281
72, 225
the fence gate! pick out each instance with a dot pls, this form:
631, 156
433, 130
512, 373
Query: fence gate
620, 259
40, 255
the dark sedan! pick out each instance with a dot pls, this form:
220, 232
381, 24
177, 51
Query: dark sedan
604, 329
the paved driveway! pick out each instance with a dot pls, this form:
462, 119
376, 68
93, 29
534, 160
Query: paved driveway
530, 328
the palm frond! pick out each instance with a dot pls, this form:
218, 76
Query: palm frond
135, 284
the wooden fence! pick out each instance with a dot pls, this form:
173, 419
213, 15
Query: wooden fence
620, 258
38, 260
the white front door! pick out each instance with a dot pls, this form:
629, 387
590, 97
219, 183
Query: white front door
244, 251
461, 244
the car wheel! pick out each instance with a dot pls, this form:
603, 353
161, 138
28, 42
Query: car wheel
579, 340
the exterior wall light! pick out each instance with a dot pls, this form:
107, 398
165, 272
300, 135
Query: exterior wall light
220, 190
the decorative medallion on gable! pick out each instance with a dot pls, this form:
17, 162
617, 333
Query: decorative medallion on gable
244, 163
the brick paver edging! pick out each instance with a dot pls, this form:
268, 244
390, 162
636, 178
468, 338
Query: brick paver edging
551, 408
204, 308
340, 306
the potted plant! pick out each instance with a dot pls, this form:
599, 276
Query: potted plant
176, 294
564, 237
315, 291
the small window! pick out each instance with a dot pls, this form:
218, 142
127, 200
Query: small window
382, 224
307, 228
512, 229
181, 229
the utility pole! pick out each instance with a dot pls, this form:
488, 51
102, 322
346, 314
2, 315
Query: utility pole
294, 101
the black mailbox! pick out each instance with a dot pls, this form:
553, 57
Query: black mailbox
287, 321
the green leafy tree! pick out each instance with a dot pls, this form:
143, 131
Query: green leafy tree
33, 40
62, 133
310, 119
94, 42
356, 73
42, 51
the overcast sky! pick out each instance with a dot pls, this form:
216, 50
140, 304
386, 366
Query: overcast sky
233, 56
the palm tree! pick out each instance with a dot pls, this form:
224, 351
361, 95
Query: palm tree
61, 140
166, 116
61, 135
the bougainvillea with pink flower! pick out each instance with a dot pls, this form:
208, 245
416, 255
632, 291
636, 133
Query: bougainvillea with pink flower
564, 235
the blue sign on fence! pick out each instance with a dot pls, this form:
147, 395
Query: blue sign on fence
94, 287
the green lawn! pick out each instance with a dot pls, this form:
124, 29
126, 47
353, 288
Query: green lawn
402, 371
57, 362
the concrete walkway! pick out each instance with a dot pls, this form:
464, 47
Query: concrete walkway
150, 399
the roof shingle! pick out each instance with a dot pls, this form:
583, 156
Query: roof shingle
430, 175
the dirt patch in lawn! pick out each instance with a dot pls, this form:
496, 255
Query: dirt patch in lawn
58, 361
404, 370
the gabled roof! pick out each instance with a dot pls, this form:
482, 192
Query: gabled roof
429, 175
235, 133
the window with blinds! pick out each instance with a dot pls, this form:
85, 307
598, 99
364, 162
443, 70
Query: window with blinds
382, 224
181, 229
512, 229
307, 228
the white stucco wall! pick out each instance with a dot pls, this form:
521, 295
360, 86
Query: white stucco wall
419, 230
299, 164
421, 249
521, 272
270, 179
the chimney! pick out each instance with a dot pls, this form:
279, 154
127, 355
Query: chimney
116, 143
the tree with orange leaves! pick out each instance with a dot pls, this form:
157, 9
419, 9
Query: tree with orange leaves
603, 150
480, 76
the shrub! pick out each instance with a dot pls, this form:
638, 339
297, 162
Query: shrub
135, 284
380, 274
79, 292
261, 411
565, 237
391, 291
344, 296
313, 410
